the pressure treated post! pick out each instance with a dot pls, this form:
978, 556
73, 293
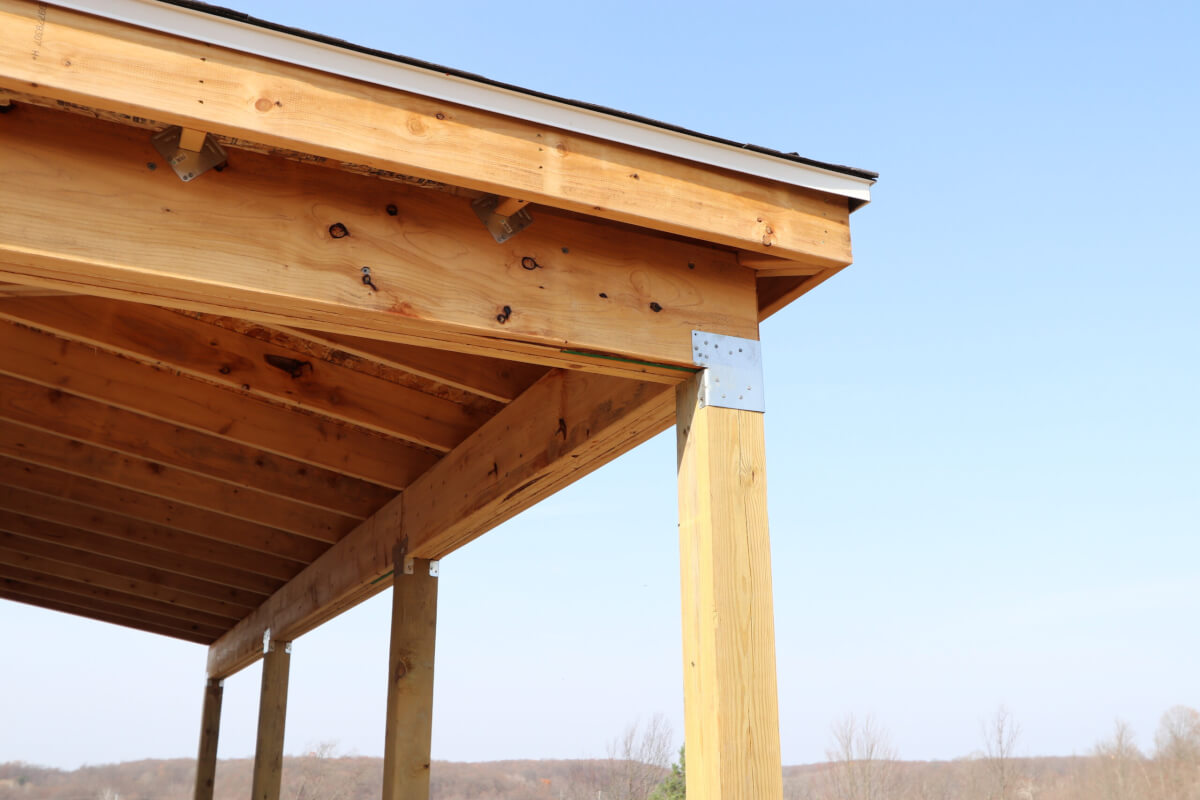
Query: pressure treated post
731, 707
210, 728
272, 714
406, 750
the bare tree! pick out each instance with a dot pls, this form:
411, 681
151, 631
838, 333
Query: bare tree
638, 760
1177, 754
863, 761
1119, 767
1000, 778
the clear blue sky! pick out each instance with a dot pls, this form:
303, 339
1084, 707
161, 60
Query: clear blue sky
982, 437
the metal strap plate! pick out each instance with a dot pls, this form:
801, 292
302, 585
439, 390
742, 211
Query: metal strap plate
733, 375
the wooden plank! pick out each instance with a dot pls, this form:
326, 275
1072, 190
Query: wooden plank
492, 378
198, 555
567, 424
406, 749
191, 139
239, 362
439, 278
88, 592
20, 290
170, 396
731, 707
86, 420
155, 510
272, 716
119, 614
106, 65
101, 616
107, 573
772, 267
210, 729
189, 574
67, 455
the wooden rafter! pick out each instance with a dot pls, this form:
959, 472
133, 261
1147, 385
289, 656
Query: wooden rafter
566, 425
86, 420
194, 574
132, 602
114, 469
114, 573
247, 536
102, 64
12, 590
202, 556
169, 396
493, 378
254, 242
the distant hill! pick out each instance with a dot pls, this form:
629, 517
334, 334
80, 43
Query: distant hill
316, 777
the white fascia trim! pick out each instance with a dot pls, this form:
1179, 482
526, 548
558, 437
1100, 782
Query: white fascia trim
267, 43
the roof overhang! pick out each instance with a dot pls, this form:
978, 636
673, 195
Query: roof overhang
394, 72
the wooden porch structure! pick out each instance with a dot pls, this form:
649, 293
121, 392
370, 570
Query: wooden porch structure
283, 322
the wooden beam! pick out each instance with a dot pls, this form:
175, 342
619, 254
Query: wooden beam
253, 367
33, 446
102, 616
167, 395
566, 425
731, 708
254, 242
492, 378
110, 573
20, 290
272, 715
247, 536
116, 611
191, 139
86, 420
122, 557
210, 729
406, 749
102, 63
171, 549
86, 593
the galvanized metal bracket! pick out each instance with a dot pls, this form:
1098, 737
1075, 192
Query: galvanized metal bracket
732, 374
501, 228
410, 567
188, 164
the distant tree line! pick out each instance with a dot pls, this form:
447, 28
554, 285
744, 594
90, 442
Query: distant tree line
861, 764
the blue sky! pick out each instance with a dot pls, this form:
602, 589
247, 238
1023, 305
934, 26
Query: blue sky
982, 437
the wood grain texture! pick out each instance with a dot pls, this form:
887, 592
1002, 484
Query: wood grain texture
440, 278
159, 385
249, 538
210, 730
492, 378
111, 573
103, 616
124, 557
199, 555
114, 469
145, 74
731, 707
406, 749
113, 428
566, 425
36, 590
87, 592
272, 716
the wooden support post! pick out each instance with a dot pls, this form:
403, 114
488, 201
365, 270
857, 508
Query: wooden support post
731, 707
272, 712
210, 727
406, 751
191, 139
